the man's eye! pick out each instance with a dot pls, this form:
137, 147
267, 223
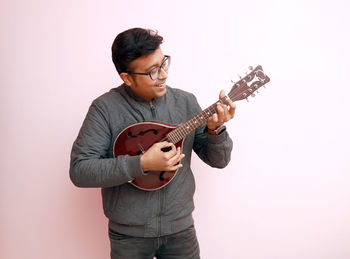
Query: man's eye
154, 71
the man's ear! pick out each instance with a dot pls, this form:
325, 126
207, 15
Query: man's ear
126, 78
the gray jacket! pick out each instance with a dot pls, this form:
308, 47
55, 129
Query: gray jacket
132, 211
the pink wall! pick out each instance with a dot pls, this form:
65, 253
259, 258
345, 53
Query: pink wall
286, 193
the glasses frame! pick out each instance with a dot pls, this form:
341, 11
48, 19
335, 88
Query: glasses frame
166, 57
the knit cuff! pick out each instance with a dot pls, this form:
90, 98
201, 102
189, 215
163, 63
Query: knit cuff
216, 139
134, 166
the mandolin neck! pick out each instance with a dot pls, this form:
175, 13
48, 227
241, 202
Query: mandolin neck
186, 128
240, 90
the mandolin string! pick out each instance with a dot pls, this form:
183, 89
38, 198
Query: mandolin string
234, 93
184, 129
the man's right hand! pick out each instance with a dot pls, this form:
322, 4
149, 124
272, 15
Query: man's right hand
155, 159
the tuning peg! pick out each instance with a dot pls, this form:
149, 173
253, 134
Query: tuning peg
250, 68
239, 76
247, 99
252, 95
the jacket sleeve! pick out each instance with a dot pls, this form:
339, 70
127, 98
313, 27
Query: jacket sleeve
91, 164
215, 150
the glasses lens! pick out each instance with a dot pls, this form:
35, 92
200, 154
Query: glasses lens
155, 72
166, 63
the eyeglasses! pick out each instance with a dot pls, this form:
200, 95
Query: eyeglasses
155, 72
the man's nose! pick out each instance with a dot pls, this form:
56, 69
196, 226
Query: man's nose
163, 74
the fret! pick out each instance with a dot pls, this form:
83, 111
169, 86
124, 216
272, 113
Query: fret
239, 91
187, 127
170, 137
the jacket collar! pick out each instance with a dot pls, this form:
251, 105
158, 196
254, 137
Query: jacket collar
138, 98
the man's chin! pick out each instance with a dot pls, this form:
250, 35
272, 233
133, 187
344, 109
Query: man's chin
160, 91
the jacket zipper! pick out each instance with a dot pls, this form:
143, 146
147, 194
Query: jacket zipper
160, 193
153, 110
160, 214
161, 205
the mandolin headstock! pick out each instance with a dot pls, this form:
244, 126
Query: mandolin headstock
249, 84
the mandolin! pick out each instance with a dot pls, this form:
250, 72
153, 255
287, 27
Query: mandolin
139, 137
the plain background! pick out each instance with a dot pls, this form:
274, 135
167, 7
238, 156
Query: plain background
286, 192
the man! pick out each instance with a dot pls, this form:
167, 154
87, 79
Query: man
144, 224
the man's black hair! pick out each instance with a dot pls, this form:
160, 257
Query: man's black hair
132, 44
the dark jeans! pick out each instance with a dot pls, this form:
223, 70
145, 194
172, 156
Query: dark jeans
182, 245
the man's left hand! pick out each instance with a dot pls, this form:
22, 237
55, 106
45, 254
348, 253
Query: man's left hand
224, 113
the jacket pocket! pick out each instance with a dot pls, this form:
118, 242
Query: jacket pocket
134, 207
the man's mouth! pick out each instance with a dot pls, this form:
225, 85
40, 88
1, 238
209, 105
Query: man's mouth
163, 85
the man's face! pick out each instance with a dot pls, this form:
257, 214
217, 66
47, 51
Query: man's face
143, 85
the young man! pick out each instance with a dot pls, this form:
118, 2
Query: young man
144, 224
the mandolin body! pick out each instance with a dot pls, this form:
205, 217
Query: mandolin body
137, 139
